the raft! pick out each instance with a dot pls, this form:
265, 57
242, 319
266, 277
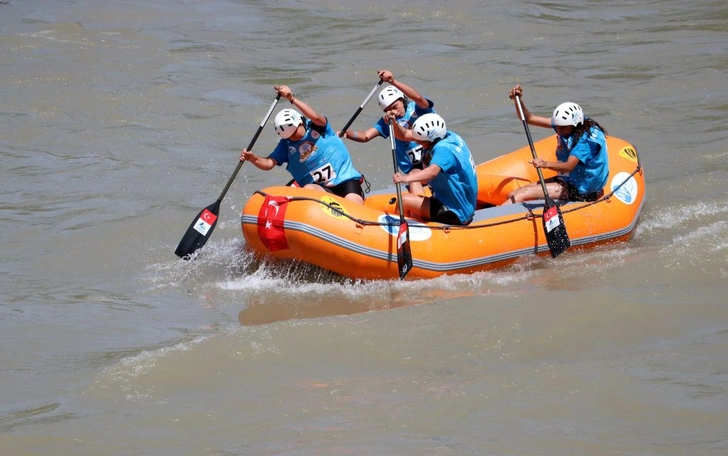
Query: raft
360, 242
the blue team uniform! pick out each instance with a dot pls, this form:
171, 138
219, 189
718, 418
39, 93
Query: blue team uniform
319, 157
456, 186
408, 153
591, 174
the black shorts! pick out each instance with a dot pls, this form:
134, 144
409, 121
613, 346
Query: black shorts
441, 214
572, 193
346, 187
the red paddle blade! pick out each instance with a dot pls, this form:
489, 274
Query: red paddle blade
404, 254
199, 231
555, 230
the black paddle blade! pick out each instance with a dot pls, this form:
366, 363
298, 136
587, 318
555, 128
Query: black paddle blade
404, 254
553, 226
199, 231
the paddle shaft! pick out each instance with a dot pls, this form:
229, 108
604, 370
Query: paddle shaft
400, 204
202, 226
250, 146
361, 108
404, 252
553, 223
533, 148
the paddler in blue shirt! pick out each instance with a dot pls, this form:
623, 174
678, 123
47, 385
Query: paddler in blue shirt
581, 154
448, 168
314, 154
407, 104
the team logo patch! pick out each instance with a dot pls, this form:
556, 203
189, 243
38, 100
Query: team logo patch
626, 188
315, 134
305, 150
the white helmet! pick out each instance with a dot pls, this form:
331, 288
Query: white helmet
429, 127
567, 114
286, 122
389, 95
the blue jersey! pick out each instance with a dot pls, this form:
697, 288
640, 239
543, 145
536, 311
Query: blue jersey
408, 153
591, 173
456, 186
320, 157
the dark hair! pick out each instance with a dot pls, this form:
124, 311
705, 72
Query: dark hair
319, 128
405, 102
587, 125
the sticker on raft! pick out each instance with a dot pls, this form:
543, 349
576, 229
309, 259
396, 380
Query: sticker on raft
418, 231
627, 193
629, 153
332, 207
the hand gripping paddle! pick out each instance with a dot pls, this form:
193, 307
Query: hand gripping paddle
553, 221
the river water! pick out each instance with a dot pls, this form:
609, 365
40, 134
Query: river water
119, 121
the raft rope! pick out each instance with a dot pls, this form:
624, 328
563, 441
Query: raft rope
530, 215
608, 195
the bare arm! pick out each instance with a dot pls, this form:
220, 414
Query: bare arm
560, 167
418, 175
361, 136
266, 164
410, 92
531, 119
306, 110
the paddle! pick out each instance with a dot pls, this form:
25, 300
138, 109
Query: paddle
553, 221
353, 118
361, 107
201, 227
404, 254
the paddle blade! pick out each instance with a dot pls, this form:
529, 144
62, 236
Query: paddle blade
553, 226
199, 231
404, 254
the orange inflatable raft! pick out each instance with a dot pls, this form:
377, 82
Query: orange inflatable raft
360, 241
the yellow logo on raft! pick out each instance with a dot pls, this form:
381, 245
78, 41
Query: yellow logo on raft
332, 207
629, 153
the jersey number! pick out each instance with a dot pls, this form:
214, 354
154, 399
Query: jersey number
323, 174
415, 155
